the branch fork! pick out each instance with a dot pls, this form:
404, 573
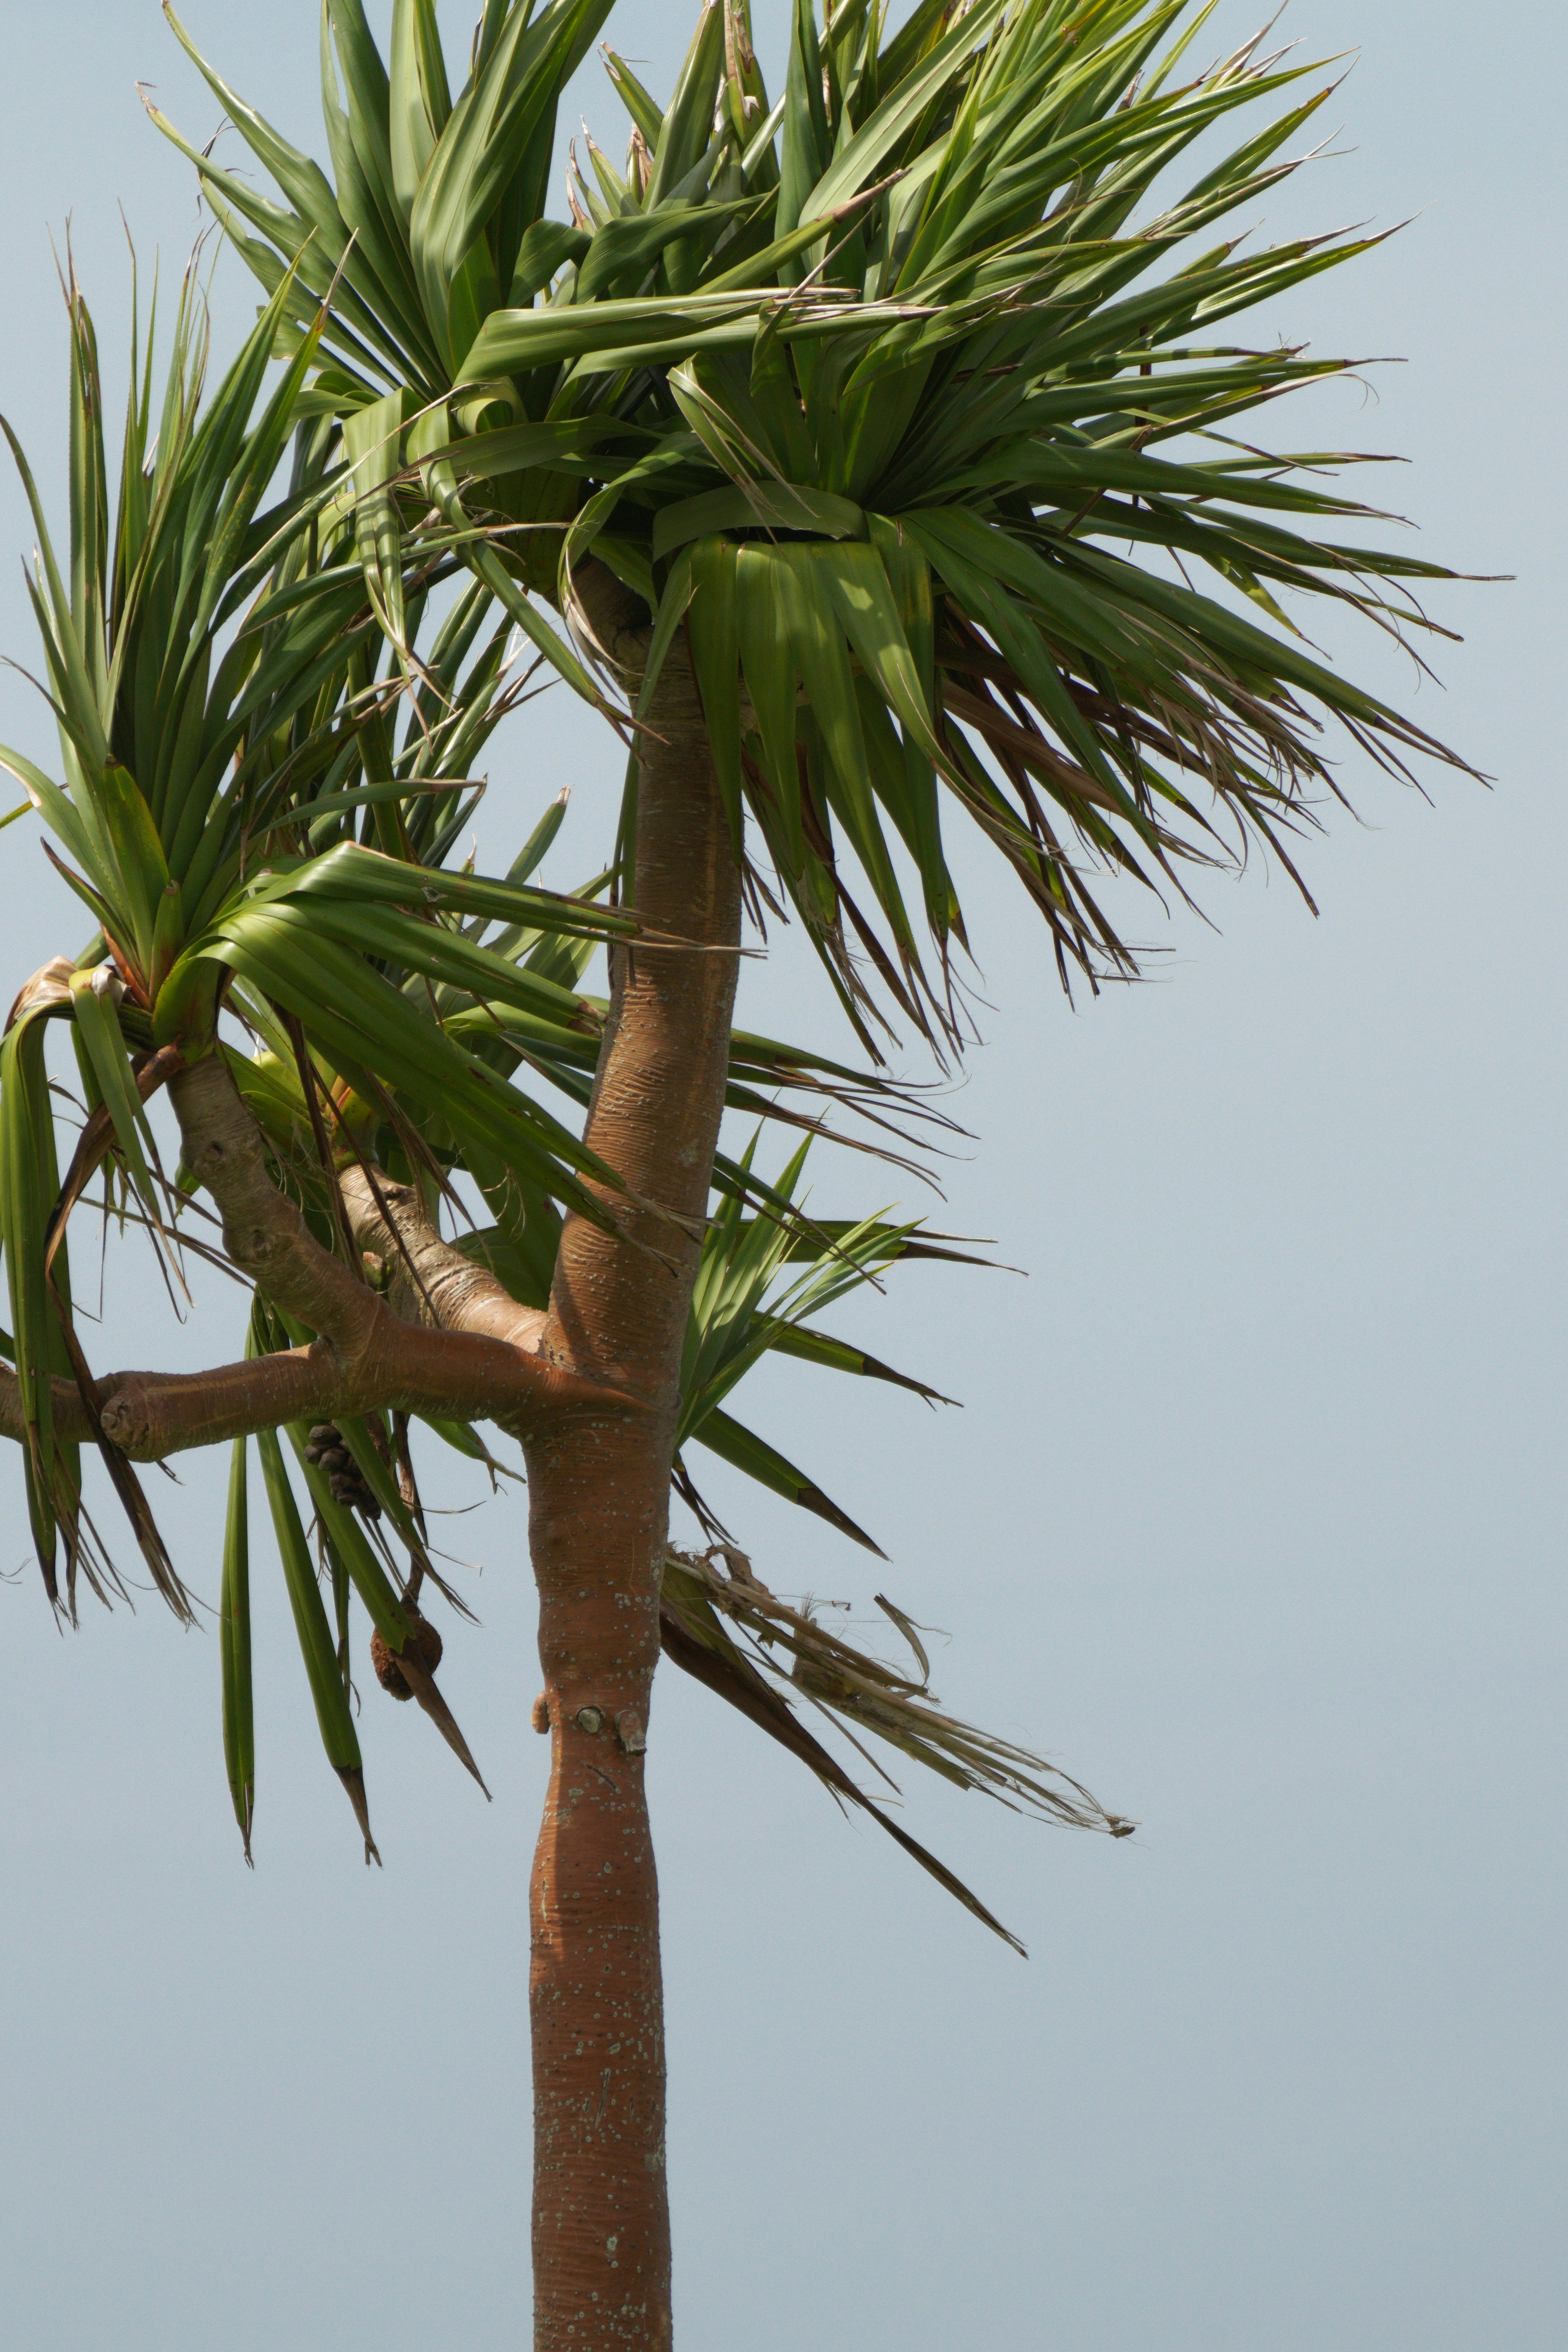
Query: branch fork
446, 1338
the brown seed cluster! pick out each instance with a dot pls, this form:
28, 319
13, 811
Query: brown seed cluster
424, 1641
326, 1449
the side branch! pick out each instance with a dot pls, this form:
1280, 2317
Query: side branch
460, 1348
263, 1231
454, 1375
428, 1281
451, 1375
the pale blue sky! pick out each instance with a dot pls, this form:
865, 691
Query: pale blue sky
1254, 1516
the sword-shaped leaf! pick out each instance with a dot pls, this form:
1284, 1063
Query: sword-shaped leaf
317, 1646
234, 1648
93, 995
744, 1450
382, 1604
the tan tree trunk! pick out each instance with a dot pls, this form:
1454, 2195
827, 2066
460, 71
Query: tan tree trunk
591, 1390
599, 1488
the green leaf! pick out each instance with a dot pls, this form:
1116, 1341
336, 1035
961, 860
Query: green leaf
317, 1647
372, 438
824, 658
628, 245
806, 141
814, 1347
672, 610
361, 1568
30, 1183
428, 440
901, 109
687, 126
643, 111
234, 1648
361, 1022
52, 804
98, 1024
480, 147
512, 342
711, 627
546, 246
419, 104
775, 505
746, 1452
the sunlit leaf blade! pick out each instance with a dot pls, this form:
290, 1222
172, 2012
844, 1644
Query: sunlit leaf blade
97, 1024
813, 1347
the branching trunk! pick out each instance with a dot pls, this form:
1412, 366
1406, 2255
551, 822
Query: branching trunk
591, 1388
599, 1487
446, 1338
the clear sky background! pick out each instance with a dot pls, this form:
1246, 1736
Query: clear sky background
1253, 1515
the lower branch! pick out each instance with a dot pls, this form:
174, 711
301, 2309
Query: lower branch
444, 1339
263, 1231
450, 1375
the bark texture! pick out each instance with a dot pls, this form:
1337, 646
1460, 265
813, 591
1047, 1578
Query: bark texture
599, 1487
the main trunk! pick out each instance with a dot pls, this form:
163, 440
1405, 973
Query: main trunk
599, 1487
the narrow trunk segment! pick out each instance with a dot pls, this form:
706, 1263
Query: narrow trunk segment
599, 1487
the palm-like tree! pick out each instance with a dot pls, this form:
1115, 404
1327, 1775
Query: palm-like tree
824, 451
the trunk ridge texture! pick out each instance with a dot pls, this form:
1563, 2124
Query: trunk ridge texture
598, 1491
